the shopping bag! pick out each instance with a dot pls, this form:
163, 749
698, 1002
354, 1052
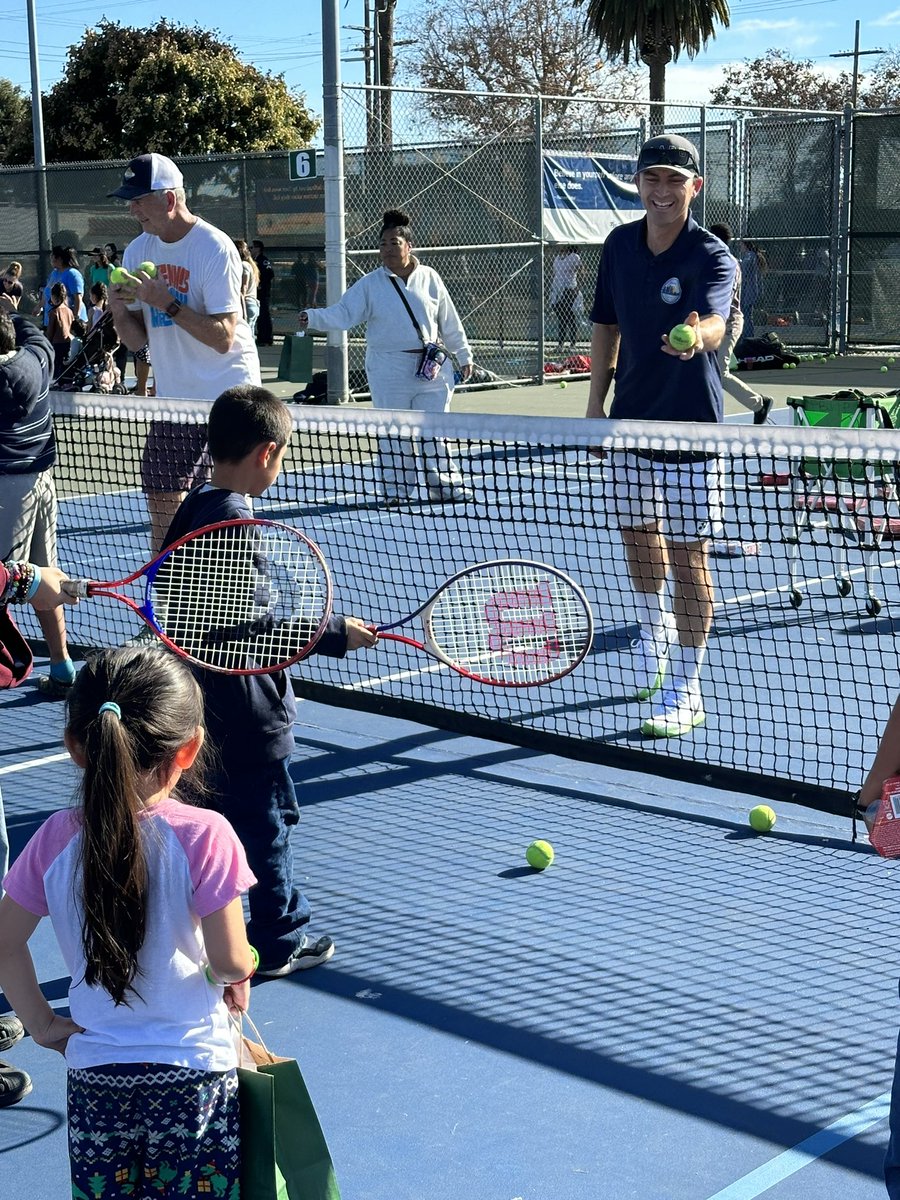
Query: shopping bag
284, 1155
885, 831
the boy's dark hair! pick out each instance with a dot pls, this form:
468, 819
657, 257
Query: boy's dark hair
161, 706
7, 333
722, 232
243, 418
58, 292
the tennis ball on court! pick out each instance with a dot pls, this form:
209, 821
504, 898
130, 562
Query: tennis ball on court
682, 338
891, 361
785, 366
148, 268
762, 818
562, 383
539, 855
883, 370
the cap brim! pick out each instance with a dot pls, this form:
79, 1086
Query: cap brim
684, 172
126, 192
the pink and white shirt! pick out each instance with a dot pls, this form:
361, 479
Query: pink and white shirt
196, 866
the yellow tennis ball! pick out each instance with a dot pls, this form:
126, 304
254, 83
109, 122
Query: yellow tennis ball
682, 338
562, 383
539, 855
121, 277
148, 268
762, 818
884, 370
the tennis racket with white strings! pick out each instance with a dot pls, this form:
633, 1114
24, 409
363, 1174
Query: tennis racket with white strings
244, 597
508, 623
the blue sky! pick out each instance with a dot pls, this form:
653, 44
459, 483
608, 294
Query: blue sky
286, 38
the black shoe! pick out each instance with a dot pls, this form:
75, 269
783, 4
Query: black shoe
14, 1085
762, 416
11, 1031
308, 954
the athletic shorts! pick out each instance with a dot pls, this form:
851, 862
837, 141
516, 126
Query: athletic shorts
147, 1129
175, 457
28, 518
683, 498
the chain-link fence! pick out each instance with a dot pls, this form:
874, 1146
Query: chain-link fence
492, 185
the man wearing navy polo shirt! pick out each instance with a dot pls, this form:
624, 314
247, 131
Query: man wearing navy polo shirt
656, 273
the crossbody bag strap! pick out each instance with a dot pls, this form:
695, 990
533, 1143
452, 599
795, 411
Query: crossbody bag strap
418, 328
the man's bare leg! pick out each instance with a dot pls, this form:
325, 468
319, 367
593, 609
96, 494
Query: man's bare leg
162, 507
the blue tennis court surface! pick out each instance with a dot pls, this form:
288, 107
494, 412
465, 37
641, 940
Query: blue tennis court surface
676, 1010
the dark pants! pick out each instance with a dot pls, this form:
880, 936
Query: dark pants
264, 331
144, 1129
261, 804
565, 315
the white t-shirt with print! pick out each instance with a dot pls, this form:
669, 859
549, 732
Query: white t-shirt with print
203, 271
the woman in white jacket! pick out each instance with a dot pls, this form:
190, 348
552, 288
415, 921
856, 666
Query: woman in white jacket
394, 344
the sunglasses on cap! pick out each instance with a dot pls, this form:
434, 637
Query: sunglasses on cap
666, 156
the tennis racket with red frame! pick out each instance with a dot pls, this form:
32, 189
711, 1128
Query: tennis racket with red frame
244, 597
508, 623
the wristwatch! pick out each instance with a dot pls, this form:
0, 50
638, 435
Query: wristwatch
174, 308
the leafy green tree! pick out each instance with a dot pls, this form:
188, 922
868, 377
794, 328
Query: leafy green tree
175, 89
15, 118
517, 46
658, 31
778, 81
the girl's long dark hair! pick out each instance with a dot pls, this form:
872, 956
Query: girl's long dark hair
161, 705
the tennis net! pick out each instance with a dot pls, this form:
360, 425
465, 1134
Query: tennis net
801, 668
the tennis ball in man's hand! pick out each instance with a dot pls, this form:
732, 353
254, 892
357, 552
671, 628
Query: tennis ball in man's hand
539, 855
121, 277
148, 268
682, 338
762, 818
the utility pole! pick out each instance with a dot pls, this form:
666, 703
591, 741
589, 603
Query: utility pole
856, 54
335, 232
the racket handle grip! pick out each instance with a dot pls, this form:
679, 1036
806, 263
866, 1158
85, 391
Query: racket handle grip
78, 587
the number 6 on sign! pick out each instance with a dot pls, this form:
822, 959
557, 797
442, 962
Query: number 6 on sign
508, 623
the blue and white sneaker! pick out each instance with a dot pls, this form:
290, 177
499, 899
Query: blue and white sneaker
650, 659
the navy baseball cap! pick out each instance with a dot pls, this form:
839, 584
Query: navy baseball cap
671, 151
148, 173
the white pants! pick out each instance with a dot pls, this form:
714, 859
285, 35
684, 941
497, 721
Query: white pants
394, 385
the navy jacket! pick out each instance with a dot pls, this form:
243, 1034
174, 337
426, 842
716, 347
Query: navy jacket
249, 718
27, 444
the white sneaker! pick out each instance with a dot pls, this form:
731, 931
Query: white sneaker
650, 659
678, 711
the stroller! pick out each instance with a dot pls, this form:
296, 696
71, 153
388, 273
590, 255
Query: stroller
93, 368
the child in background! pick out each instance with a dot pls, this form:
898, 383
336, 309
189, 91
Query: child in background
98, 304
59, 327
250, 718
145, 897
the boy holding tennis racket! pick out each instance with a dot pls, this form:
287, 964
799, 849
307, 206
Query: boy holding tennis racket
250, 718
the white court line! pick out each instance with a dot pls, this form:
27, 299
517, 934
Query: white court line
33, 762
401, 675
786, 587
816, 1146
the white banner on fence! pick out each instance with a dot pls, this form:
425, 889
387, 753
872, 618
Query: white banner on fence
586, 195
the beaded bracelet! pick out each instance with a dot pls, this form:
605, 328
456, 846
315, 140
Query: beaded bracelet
21, 585
231, 982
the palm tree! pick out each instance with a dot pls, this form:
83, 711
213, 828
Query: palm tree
659, 30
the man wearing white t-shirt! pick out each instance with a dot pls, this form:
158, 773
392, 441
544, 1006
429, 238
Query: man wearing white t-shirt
191, 315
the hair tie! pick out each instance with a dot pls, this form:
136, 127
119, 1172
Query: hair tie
110, 706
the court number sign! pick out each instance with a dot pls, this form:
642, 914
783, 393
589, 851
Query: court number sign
302, 164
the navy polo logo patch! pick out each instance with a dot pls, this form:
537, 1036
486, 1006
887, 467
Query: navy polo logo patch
670, 292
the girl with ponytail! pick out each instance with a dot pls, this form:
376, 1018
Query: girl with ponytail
145, 897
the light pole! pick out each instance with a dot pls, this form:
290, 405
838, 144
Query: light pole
37, 131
